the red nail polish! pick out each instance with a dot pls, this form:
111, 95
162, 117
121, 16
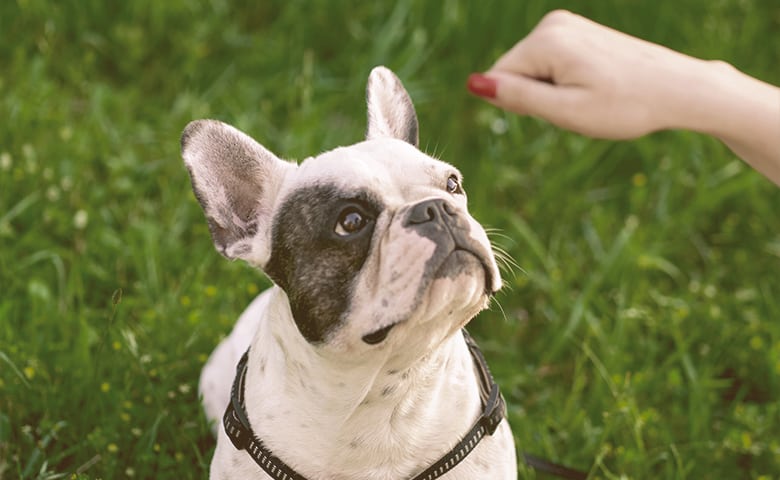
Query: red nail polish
481, 85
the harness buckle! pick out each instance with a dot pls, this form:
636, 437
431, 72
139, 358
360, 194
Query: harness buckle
493, 413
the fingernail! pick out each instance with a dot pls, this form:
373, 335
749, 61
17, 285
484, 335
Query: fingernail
481, 85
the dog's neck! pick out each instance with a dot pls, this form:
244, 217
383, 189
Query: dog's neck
357, 416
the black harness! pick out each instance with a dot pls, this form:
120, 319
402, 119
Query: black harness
241, 435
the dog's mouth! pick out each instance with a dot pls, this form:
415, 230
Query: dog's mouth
378, 336
461, 259
451, 265
490, 288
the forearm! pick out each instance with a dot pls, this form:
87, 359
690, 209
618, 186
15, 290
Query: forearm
743, 112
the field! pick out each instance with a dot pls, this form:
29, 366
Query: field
640, 337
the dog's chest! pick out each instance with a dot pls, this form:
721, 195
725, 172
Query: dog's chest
404, 422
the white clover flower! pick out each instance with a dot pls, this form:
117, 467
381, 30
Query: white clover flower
80, 219
5, 161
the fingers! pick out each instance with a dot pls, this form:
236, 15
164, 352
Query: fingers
528, 96
521, 94
588, 78
539, 52
482, 86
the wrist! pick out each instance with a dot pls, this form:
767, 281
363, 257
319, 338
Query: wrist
692, 93
718, 100
741, 111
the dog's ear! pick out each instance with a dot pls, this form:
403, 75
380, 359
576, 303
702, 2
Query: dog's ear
236, 181
390, 110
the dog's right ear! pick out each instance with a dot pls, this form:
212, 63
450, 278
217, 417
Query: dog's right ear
236, 181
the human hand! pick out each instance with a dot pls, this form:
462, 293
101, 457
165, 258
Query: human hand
594, 80
589, 78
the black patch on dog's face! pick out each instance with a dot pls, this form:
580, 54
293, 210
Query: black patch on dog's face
314, 265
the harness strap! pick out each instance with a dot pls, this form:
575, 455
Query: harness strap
550, 468
241, 435
493, 411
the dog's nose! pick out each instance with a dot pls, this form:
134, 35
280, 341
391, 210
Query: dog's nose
435, 209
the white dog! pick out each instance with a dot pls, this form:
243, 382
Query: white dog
358, 365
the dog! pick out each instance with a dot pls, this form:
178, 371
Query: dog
357, 366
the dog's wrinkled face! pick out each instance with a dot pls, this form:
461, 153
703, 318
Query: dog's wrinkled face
372, 243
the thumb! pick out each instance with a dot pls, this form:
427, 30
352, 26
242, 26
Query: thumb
521, 94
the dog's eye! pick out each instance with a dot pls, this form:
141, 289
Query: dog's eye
453, 185
350, 221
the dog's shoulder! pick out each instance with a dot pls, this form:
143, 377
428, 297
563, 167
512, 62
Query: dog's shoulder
215, 379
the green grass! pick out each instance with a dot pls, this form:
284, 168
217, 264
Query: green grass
641, 339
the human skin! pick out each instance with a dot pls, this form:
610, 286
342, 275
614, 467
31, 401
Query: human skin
591, 79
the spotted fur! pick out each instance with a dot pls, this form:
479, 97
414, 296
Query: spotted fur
357, 367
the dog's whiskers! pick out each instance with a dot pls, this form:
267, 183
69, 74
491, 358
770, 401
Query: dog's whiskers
494, 301
504, 259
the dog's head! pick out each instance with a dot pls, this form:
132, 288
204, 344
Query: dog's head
372, 243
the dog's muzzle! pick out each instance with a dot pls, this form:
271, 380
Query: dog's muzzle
441, 222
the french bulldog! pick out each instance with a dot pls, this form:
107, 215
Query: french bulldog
357, 366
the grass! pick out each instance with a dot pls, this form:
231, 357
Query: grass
640, 339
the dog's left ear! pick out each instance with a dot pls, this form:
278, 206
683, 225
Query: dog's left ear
390, 110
